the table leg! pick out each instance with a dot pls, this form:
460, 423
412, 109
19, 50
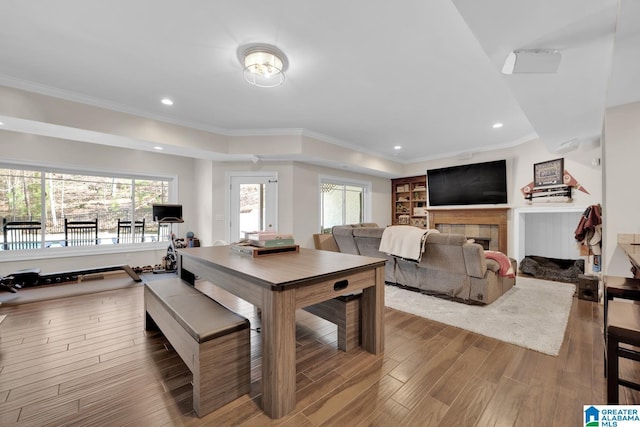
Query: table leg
612, 370
278, 353
373, 315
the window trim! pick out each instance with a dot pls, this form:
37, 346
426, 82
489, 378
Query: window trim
51, 253
367, 204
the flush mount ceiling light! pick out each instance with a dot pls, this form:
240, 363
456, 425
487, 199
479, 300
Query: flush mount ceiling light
264, 65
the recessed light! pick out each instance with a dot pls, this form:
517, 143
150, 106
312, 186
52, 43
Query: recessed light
1, 124
397, 147
497, 125
157, 147
167, 101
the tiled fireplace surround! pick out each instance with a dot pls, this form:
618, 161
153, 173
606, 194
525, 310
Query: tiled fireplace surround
486, 223
481, 233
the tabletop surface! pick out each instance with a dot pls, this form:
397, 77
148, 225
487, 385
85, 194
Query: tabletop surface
288, 268
632, 251
616, 283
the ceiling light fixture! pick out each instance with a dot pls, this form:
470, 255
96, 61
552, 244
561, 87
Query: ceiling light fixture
157, 147
497, 125
264, 65
1, 124
167, 101
397, 147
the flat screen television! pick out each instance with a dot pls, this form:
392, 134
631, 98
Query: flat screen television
475, 184
167, 213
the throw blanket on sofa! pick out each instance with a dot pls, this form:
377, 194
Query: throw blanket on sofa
404, 241
505, 263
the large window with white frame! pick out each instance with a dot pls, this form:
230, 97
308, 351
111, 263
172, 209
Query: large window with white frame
343, 202
36, 202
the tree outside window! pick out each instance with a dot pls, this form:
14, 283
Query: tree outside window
48, 197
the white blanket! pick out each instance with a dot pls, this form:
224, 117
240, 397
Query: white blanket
404, 241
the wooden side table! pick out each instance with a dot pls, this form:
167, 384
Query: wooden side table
588, 287
618, 287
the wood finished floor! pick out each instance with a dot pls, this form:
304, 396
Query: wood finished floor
86, 360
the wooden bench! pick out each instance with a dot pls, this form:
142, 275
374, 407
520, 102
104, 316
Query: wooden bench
344, 311
212, 341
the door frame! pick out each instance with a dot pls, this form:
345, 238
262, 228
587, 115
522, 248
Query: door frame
271, 175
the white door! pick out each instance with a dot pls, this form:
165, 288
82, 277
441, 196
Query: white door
253, 203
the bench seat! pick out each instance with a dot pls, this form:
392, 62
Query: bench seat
344, 311
212, 341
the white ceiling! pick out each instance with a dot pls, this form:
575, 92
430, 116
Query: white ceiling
362, 74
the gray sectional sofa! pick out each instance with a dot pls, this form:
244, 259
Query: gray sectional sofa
450, 266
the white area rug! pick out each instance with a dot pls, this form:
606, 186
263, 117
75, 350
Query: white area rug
533, 314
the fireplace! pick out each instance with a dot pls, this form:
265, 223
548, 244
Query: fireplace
480, 224
485, 235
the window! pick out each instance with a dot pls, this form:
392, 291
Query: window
48, 197
343, 202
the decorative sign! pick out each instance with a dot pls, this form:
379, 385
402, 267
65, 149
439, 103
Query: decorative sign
572, 182
568, 180
549, 173
527, 188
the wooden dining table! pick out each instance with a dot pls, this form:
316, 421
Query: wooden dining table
281, 283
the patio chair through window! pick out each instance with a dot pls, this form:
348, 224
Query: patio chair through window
21, 234
128, 234
80, 233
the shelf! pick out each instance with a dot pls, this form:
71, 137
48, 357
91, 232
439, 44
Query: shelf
414, 189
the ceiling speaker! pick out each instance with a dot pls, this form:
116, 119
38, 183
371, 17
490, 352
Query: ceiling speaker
532, 61
567, 146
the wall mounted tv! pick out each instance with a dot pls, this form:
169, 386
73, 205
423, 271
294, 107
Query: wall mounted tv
167, 213
475, 184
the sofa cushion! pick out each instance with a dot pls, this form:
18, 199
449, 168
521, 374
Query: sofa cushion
446, 239
343, 235
443, 252
368, 241
368, 232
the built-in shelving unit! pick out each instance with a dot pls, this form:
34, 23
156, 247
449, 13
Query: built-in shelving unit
409, 201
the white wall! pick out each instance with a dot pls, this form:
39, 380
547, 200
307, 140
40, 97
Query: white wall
33, 149
520, 161
298, 198
202, 186
306, 209
621, 201
551, 235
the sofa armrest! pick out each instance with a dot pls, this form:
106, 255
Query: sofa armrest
325, 242
493, 265
474, 260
